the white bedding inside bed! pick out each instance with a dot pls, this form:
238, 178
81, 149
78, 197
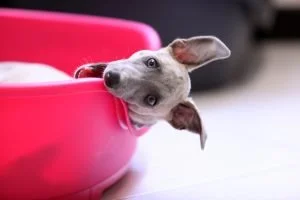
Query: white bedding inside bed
25, 72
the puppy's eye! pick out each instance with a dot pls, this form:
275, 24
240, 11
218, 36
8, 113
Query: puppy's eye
151, 100
152, 63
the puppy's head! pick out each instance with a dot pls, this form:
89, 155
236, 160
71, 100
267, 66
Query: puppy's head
156, 84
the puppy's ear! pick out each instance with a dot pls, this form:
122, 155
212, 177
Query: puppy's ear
197, 51
186, 116
90, 70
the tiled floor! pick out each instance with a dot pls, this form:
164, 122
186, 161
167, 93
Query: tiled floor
253, 147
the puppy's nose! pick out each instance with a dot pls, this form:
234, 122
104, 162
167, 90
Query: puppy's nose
112, 79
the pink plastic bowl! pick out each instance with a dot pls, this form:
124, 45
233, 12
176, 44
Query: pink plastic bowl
71, 139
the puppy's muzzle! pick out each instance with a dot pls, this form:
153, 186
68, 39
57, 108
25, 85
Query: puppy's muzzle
112, 79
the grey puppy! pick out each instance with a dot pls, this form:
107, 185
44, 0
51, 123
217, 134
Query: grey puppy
156, 84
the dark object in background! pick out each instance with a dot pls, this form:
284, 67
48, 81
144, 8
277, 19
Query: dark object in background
233, 21
286, 26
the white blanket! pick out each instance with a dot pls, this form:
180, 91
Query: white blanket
22, 72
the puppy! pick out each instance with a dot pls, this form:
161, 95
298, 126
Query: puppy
156, 84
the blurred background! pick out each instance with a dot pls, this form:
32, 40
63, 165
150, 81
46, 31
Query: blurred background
249, 103
241, 24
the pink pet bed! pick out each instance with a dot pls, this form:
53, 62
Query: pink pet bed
70, 139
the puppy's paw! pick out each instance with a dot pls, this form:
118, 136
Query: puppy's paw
90, 70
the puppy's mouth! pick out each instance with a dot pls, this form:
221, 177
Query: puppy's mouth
111, 80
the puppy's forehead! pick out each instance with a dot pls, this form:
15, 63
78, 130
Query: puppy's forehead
142, 53
170, 65
162, 53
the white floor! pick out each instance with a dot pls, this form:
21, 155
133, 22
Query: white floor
253, 146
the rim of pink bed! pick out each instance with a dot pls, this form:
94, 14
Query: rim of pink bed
68, 139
